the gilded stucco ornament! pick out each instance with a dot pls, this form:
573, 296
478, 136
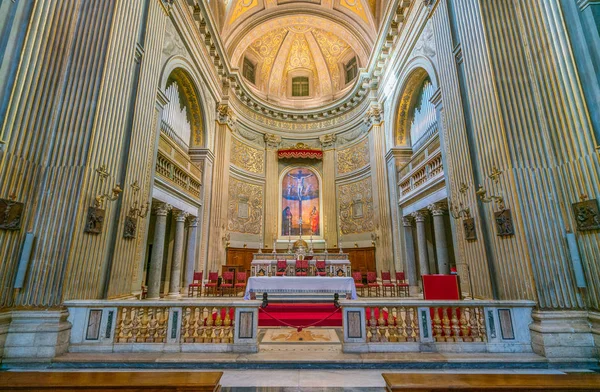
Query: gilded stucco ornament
328, 141
245, 210
272, 141
246, 157
587, 214
225, 114
356, 207
11, 213
353, 158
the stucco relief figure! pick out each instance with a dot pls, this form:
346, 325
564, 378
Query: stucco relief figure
300, 196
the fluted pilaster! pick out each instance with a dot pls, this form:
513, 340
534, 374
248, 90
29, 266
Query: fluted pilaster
271, 189
330, 229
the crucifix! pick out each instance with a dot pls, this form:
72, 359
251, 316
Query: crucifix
301, 192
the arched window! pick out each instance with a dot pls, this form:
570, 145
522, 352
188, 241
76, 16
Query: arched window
300, 86
351, 70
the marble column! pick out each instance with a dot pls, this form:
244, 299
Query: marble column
158, 248
271, 188
175, 281
330, 227
420, 217
409, 248
438, 211
190, 253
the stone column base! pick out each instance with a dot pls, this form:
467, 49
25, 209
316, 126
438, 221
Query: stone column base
35, 336
564, 335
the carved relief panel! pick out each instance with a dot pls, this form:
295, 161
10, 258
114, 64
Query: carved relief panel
356, 207
245, 211
353, 158
246, 157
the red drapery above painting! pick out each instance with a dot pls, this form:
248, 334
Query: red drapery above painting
300, 151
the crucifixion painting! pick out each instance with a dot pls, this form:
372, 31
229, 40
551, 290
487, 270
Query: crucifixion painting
300, 203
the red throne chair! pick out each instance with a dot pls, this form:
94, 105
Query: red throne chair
386, 282
301, 267
402, 288
281, 268
372, 283
213, 283
227, 283
240, 282
320, 268
358, 282
196, 285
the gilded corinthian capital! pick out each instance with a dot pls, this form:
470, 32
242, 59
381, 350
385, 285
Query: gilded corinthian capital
272, 141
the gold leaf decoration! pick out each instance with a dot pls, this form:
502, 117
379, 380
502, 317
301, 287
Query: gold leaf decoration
245, 209
356, 207
246, 157
353, 158
333, 48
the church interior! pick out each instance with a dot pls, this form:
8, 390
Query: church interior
303, 195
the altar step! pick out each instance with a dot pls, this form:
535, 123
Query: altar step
299, 298
300, 315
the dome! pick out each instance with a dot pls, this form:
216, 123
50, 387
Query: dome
300, 54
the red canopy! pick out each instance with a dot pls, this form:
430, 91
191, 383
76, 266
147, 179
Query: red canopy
301, 151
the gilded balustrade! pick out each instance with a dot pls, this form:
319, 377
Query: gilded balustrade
174, 166
392, 324
424, 169
142, 325
207, 325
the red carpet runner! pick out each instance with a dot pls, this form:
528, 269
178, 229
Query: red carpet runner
299, 314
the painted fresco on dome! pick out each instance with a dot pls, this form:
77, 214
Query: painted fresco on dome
300, 207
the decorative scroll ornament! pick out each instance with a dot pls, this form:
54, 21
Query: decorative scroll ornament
300, 151
587, 214
246, 157
353, 158
328, 141
373, 116
468, 222
11, 212
356, 207
502, 217
245, 210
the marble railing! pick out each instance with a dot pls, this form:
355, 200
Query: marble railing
157, 326
175, 167
425, 169
439, 326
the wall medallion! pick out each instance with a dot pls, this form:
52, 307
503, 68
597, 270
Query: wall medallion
469, 228
504, 223
11, 213
130, 227
95, 220
587, 215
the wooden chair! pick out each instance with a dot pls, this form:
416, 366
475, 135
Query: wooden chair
358, 282
372, 283
282, 266
227, 282
241, 281
386, 282
213, 283
402, 288
301, 267
320, 268
196, 285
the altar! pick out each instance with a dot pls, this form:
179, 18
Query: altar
300, 285
336, 264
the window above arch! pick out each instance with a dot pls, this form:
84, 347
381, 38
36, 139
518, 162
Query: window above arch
300, 86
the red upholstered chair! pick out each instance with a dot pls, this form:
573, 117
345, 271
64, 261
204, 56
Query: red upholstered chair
386, 282
196, 285
320, 268
357, 276
213, 283
281, 268
227, 282
372, 283
301, 267
401, 286
240, 278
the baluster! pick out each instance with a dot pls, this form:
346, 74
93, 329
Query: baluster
228, 335
473, 325
202, 324
144, 335
437, 325
219, 324
464, 326
415, 324
373, 325
401, 334
481, 323
391, 324
135, 325
410, 330
446, 325
455, 325
119, 331
163, 322
152, 328
381, 329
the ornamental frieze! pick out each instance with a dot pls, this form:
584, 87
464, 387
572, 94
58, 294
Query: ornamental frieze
356, 207
246, 157
245, 209
353, 158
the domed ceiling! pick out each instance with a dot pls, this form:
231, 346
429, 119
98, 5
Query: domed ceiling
299, 54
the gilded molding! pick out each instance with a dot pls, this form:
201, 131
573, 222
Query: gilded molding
246, 157
353, 158
328, 141
356, 207
272, 141
245, 212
